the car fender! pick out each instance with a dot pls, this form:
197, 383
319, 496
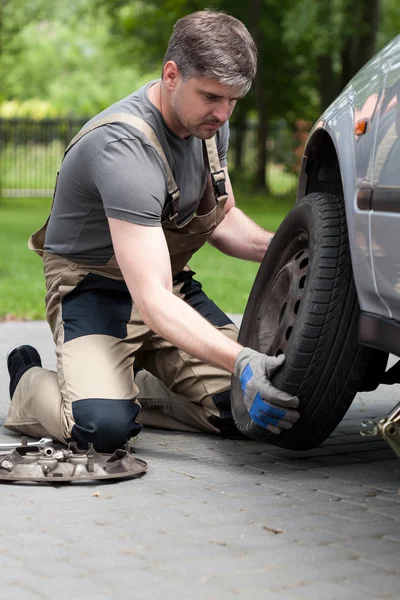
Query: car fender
339, 153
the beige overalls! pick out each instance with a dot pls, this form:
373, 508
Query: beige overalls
93, 396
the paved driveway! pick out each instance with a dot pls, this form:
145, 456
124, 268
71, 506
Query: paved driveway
212, 518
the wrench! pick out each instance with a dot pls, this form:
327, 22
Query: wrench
44, 441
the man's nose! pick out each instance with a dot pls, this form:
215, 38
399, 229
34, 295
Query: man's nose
222, 112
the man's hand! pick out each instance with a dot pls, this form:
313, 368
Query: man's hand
268, 407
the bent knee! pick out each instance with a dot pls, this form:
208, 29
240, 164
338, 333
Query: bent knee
107, 424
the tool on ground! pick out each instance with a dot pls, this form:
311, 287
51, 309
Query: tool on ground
44, 441
388, 428
48, 464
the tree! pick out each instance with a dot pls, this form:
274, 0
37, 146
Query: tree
338, 36
62, 54
389, 22
15, 15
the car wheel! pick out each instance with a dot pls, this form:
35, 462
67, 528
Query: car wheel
303, 303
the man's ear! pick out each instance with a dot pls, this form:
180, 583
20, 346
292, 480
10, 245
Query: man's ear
171, 75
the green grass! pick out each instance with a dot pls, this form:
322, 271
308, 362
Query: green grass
279, 180
22, 287
226, 280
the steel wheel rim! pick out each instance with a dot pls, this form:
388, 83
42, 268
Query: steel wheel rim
282, 301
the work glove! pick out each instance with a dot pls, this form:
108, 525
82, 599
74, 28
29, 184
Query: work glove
268, 407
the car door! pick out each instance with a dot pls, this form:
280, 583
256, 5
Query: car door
385, 201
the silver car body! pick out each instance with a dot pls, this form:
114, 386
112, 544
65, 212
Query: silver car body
369, 167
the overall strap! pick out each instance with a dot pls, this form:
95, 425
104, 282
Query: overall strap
217, 174
171, 207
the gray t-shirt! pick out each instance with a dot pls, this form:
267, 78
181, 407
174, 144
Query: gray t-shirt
113, 171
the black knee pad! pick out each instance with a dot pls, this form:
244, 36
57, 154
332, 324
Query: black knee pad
107, 424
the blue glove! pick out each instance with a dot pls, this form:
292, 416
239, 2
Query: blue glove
268, 407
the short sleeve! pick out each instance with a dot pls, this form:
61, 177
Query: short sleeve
223, 143
130, 179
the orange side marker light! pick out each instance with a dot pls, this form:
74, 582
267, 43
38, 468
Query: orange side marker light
361, 127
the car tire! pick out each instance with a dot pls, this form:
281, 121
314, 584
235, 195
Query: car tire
304, 304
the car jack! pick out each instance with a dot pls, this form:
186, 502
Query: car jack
388, 428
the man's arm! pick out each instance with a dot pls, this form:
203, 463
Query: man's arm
143, 257
238, 235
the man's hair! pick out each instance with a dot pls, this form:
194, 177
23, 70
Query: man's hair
213, 44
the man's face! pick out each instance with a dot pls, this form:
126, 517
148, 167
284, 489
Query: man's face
200, 106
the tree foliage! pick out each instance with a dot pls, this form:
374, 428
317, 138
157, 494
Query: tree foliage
338, 36
63, 55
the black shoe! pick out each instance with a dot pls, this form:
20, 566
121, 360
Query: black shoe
19, 360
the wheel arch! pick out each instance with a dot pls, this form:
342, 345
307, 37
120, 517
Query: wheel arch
320, 170
329, 166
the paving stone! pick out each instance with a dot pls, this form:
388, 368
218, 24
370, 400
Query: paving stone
376, 528
381, 454
368, 548
23, 581
381, 584
336, 569
17, 591
330, 590
386, 560
338, 459
355, 439
313, 537
370, 473
345, 489
348, 513
391, 486
361, 448
65, 587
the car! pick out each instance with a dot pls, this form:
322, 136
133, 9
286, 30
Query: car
327, 293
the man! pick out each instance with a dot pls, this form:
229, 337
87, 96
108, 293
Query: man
143, 186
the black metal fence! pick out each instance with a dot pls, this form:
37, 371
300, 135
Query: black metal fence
31, 152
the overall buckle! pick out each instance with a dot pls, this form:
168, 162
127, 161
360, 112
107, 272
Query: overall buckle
219, 184
171, 206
